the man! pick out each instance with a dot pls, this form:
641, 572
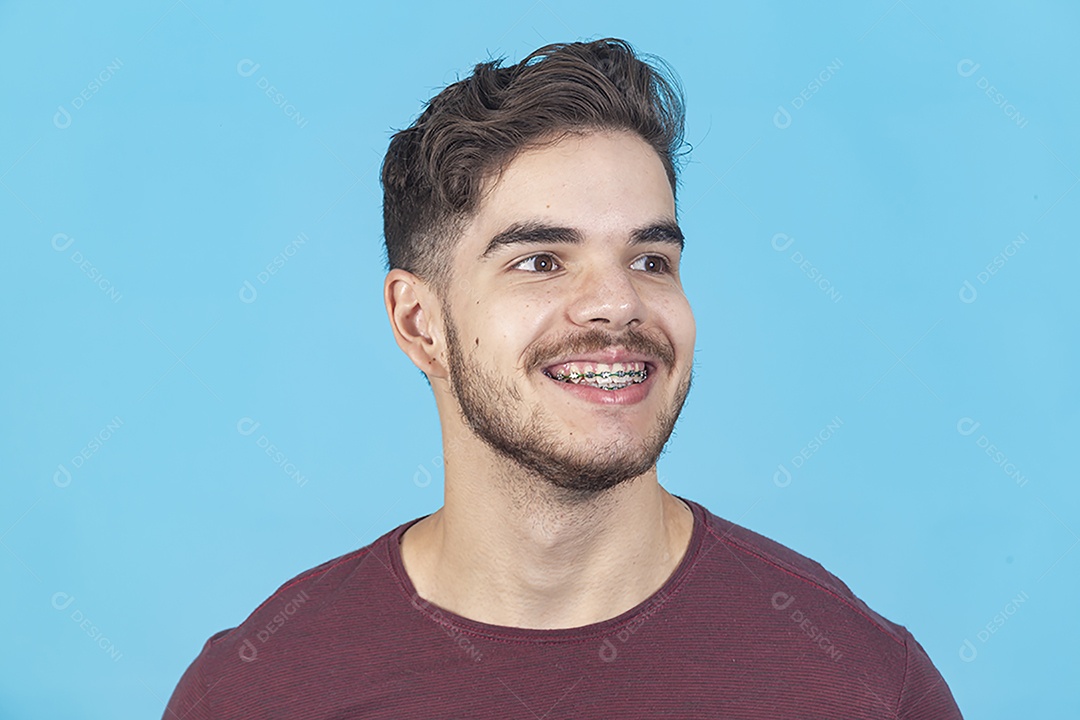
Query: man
531, 234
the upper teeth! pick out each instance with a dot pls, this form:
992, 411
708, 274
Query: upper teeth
615, 375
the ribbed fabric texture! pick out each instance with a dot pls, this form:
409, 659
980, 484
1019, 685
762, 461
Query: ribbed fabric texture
744, 628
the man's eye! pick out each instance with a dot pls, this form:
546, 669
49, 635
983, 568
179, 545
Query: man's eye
652, 264
538, 263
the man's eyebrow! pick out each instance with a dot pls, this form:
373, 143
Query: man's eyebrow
532, 233
662, 232
541, 233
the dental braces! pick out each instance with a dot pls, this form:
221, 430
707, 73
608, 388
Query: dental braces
603, 375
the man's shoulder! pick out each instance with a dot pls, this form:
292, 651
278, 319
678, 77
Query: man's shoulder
296, 601
788, 605
793, 577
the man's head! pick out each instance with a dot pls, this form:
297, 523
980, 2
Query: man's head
435, 171
539, 291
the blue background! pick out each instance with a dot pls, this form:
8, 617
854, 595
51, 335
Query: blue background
148, 179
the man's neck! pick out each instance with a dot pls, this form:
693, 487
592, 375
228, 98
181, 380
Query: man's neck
509, 550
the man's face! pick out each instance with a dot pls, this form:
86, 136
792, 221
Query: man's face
570, 339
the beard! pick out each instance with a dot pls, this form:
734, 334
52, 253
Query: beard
490, 406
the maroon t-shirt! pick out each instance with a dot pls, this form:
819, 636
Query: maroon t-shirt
744, 628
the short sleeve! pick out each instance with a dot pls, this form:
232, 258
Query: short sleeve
925, 694
190, 701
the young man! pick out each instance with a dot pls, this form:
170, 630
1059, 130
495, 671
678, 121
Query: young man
531, 233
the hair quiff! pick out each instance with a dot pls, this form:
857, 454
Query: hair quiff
434, 170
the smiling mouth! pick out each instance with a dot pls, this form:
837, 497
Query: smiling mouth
616, 376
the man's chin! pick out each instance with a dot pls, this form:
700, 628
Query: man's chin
582, 476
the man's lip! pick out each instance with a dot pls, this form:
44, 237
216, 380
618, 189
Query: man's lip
625, 396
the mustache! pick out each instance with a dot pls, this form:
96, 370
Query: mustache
594, 340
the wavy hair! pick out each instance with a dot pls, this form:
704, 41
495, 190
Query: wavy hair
434, 171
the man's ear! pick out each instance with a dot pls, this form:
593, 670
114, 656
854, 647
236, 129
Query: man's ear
414, 312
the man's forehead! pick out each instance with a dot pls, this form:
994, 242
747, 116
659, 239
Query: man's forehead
561, 191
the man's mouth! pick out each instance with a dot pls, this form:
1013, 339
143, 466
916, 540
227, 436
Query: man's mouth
614, 376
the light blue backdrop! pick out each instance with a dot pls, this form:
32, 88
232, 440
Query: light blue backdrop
878, 210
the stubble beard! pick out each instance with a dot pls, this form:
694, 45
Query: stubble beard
488, 405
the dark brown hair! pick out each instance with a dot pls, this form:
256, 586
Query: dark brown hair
434, 171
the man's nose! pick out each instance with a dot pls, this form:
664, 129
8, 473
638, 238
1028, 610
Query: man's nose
605, 294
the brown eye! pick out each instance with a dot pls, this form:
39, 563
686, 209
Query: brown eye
656, 264
538, 263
